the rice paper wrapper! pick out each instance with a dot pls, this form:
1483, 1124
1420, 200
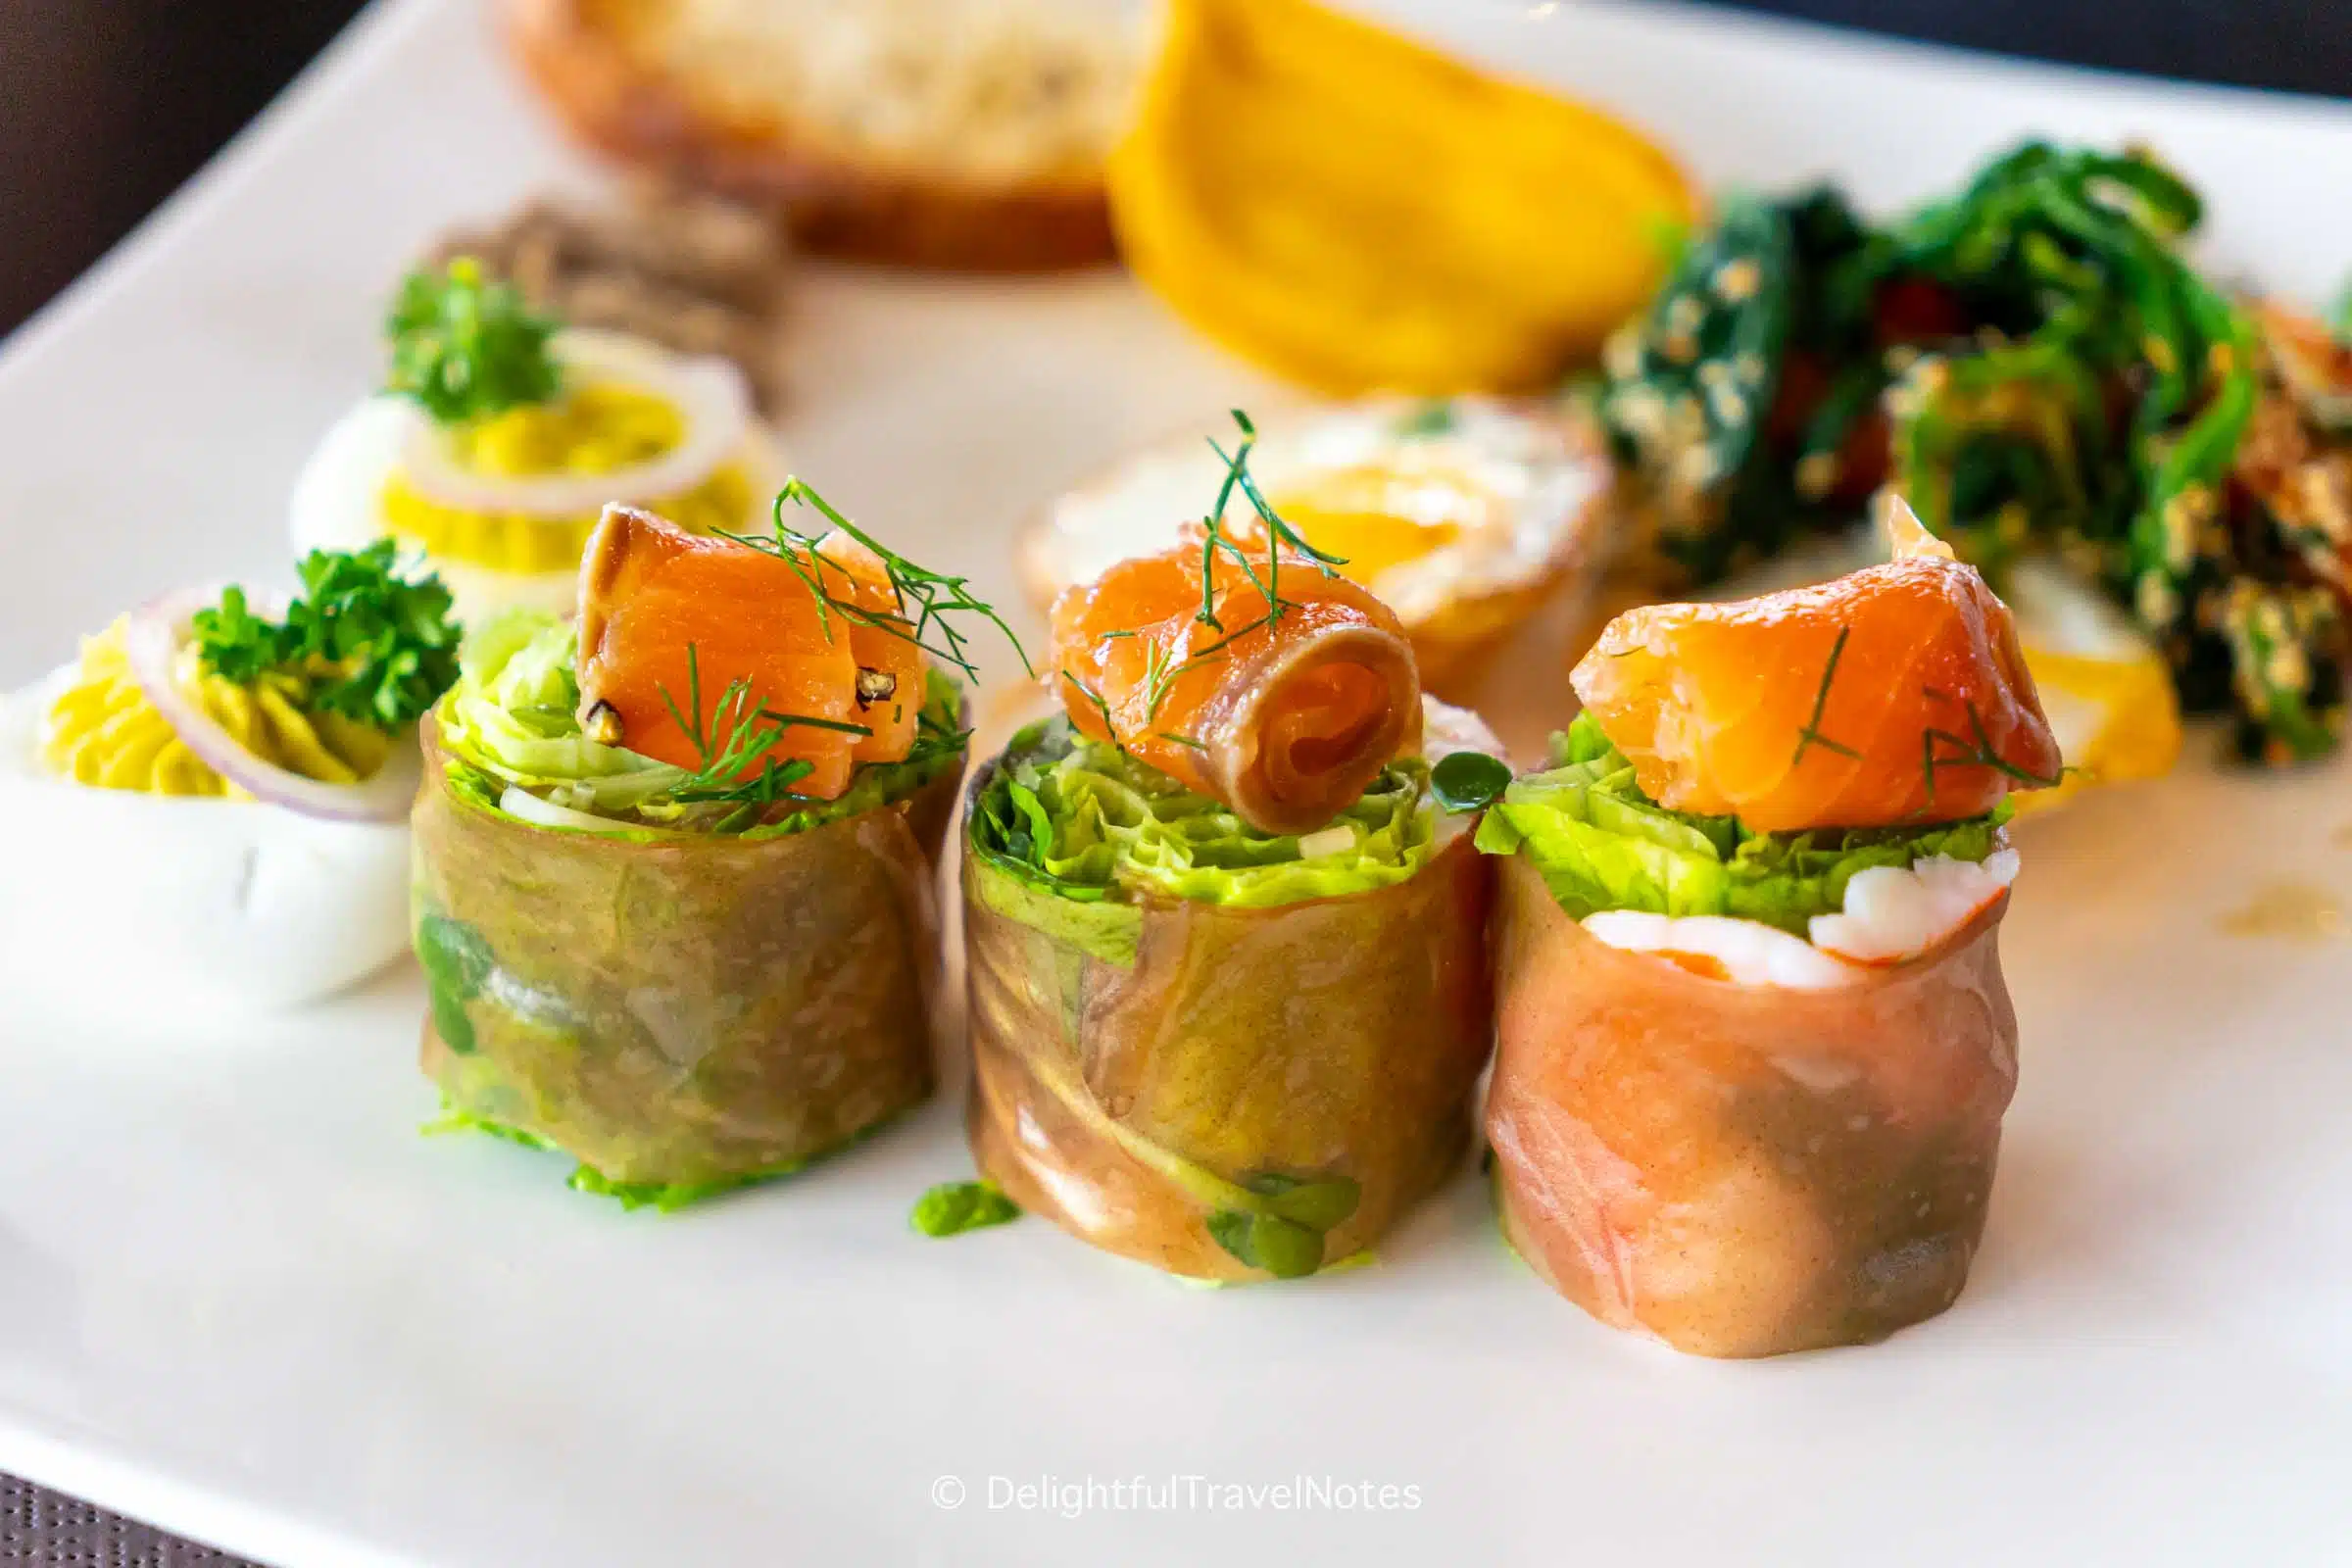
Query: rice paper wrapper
1737, 1171
679, 1014
1259, 1092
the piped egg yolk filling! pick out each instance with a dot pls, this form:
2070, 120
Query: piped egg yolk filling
102, 730
600, 428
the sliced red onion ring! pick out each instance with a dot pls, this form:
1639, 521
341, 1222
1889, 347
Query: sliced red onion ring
709, 394
152, 639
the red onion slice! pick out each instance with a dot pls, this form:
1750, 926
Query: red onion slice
152, 639
709, 395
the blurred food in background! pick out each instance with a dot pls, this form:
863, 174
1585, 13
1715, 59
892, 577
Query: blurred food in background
961, 133
503, 433
1464, 515
1361, 214
690, 272
2032, 364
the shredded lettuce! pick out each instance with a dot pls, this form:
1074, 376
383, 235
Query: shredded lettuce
512, 717
1069, 831
1601, 844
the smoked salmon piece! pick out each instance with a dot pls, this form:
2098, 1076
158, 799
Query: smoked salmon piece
1284, 721
650, 591
1896, 695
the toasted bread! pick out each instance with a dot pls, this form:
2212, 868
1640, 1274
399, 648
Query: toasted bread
958, 134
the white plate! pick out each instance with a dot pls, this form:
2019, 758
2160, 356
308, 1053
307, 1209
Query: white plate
240, 1295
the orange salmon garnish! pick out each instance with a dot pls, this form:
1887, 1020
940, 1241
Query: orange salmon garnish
667, 617
1285, 720
1895, 696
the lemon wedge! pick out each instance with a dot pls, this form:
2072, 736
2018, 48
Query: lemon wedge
2104, 684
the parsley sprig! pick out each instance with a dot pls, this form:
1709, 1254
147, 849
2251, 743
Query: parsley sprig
924, 598
465, 347
366, 641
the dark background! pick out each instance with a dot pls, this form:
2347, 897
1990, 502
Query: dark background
107, 105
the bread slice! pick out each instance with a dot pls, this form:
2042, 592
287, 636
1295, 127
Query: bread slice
961, 133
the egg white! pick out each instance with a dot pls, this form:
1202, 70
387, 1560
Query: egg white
337, 502
127, 901
1528, 458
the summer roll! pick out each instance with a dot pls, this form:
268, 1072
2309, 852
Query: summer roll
1226, 949
675, 858
1754, 1041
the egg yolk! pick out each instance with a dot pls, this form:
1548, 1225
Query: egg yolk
601, 427
1378, 517
102, 730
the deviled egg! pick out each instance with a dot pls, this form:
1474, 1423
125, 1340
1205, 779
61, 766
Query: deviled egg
219, 788
500, 435
1463, 515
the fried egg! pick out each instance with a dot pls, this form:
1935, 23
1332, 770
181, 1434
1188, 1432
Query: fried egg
1463, 515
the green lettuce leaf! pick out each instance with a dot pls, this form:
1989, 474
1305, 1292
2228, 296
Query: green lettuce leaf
513, 716
1063, 818
1600, 844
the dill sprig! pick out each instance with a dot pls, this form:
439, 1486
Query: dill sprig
1101, 706
465, 347
924, 597
1975, 750
741, 730
1811, 736
1278, 533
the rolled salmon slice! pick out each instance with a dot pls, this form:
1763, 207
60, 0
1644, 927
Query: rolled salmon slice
668, 618
1893, 696
1285, 719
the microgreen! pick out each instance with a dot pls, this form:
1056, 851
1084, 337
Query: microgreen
366, 641
1280, 1222
464, 345
924, 598
953, 1207
1468, 781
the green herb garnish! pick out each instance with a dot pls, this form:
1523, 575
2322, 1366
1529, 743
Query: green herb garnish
1282, 1226
365, 642
1811, 736
924, 598
1278, 535
466, 347
953, 1207
1974, 749
1468, 781
741, 730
